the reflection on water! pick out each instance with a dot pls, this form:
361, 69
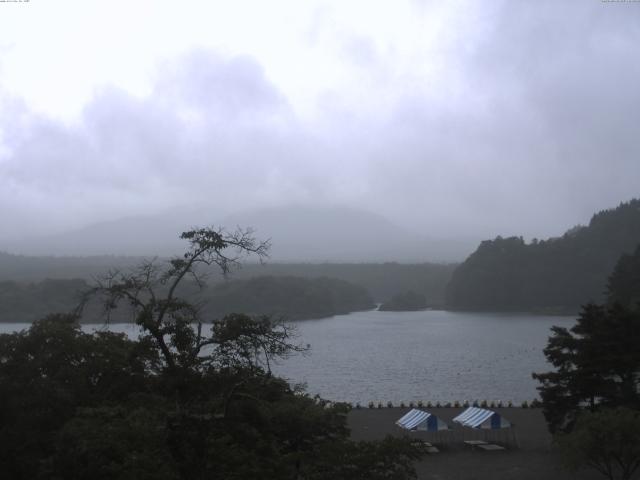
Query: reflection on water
410, 356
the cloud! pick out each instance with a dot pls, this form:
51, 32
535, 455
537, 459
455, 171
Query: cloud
519, 119
213, 130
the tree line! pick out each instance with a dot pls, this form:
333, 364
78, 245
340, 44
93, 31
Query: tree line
591, 399
186, 400
382, 280
554, 275
294, 298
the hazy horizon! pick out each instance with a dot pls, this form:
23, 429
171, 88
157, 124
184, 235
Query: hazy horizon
455, 121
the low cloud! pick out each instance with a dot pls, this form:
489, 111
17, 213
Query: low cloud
529, 127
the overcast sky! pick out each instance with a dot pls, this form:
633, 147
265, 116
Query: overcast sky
471, 118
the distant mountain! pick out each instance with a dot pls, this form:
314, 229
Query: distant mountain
558, 274
131, 236
338, 234
298, 233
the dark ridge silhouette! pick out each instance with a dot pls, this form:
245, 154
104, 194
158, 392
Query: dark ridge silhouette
554, 275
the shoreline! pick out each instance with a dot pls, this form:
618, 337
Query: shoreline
533, 458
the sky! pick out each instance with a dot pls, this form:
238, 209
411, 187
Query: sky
454, 119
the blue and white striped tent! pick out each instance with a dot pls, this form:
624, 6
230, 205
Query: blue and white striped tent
475, 417
420, 420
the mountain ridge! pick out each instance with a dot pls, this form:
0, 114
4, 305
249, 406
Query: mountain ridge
298, 233
554, 275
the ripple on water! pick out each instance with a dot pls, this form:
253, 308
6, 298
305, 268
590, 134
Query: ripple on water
411, 356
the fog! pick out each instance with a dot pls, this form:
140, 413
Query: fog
442, 123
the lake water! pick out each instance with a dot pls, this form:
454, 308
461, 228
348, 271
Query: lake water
411, 356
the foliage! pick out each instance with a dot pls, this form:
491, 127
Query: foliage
25, 302
152, 292
597, 363
607, 441
51, 370
558, 274
381, 280
178, 403
624, 282
406, 301
293, 297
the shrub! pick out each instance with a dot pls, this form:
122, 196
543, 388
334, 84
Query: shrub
411, 405
525, 404
402, 405
475, 403
466, 404
456, 404
510, 404
389, 404
429, 405
447, 405
438, 405
371, 405
420, 404
379, 404
607, 441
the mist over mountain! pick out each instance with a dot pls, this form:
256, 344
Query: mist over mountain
297, 233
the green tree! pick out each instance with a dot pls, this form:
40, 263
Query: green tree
153, 291
607, 441
405, 301
557, 274
51, 370
597, 363
624, 282
177, 403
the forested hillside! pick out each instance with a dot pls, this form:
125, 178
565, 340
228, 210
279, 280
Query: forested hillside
624, 283
405, 302
26, 302
22, 268
292, 297
382, 280
558, 274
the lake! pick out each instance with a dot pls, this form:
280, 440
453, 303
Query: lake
410, 356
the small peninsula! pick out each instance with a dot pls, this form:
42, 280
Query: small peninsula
408, 301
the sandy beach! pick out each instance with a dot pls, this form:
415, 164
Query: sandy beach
528, 454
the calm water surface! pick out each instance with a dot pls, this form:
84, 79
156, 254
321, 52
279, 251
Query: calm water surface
429, 355
410, 356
